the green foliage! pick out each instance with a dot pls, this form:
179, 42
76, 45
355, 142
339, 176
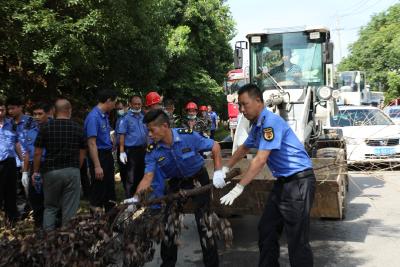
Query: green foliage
394, 86
177, 47
377, 51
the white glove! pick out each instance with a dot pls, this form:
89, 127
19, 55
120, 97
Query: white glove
219, 179
25, 179
232, 195
226, 169
132, 200
123, 158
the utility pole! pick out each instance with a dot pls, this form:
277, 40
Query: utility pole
338, 29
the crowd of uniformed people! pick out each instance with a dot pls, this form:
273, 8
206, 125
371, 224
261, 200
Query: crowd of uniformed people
48, 154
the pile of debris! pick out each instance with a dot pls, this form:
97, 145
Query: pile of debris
125, 236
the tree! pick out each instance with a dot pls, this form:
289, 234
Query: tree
178, 47
377, 51
199, 54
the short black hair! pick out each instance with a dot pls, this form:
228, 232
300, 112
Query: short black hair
169, 102
156, 115
15, 101
133, 96
105, 94
41, 105
252, 90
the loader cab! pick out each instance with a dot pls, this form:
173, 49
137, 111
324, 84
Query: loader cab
294, 60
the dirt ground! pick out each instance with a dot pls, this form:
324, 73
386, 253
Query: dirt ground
368, 236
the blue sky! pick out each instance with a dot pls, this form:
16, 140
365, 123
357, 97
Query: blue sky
256, 15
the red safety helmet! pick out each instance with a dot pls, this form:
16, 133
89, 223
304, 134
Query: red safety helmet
191, 105
152, 98
203, 108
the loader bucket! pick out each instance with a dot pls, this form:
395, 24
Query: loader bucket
329, 201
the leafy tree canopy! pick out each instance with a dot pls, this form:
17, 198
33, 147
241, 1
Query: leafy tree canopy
73, 47
377, 51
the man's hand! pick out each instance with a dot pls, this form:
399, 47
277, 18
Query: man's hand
143, 185
226, 169
232, 195
25, 180
98, 173
123, 158
219, 179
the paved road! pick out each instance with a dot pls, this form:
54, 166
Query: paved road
369, 236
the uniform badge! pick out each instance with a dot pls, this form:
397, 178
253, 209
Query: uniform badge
268, 134
187, 149
160, 159
150, 147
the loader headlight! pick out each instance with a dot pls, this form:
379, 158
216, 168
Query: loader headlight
324, 93
336, 94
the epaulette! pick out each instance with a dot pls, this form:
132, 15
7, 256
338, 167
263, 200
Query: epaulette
185, 131
150, 147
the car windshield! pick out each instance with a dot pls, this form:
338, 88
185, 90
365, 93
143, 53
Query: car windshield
360, 117
291, 59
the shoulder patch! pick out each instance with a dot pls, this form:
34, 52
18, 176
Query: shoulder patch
150, 147
268, 133
185, 131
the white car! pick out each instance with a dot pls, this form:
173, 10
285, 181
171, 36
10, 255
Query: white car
393, 112
371, 136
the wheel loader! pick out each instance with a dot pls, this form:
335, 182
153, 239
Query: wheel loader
293, 67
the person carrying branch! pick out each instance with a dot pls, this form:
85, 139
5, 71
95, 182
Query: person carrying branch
177, 153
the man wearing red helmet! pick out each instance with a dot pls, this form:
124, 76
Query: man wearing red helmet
192, 121
203, 115
153, 100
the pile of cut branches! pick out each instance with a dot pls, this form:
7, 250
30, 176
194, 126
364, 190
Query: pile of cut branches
124, 236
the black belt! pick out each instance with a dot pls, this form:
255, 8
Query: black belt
104, 150
135, 147
296, 176
202, 169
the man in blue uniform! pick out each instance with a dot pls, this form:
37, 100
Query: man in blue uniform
97, 129
35, 193
132, 144
15, 107
289, 203
214, 121
8, 172
176, 153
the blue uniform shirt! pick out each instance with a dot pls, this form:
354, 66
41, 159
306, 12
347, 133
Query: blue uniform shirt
97, 125
182, 159
213, 117
288, 155
8, 139
132, 126
21, 125
117, 130
28, 141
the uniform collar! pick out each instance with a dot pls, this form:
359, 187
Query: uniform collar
24, 118
101, 113
175, 137
262, 117
7, 121
136, 115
